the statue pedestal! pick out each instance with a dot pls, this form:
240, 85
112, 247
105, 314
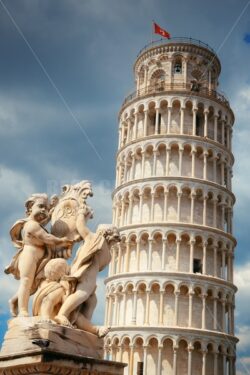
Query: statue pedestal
33, 347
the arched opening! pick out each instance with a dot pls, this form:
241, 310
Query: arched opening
167, 357
182, 357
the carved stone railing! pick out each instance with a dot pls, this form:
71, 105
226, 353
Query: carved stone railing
187, 88
175, 40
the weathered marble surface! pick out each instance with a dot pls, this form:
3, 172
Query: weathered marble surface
28, 334
49, 362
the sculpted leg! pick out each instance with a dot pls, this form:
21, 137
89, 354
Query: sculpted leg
23, 296
89, 306
71, 304
83, 323
27, 267
49, 303
13, 304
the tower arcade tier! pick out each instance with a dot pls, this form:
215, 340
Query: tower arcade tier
170, 292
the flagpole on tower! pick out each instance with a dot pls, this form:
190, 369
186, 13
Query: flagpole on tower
152, 31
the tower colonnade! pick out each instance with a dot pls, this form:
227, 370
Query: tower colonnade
170, 296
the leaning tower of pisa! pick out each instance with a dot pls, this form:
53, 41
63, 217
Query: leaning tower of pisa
170, 292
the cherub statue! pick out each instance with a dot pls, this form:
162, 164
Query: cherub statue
53, 291
36, 247
91, 258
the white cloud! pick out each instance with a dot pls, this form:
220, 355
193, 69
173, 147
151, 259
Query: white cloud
15, 186
242, 280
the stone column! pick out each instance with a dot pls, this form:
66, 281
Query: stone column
223, 132
204, 296
231, 366
215, 261
229, 177
124, 307
180, 160
228, 135
205, 198
115, 309
193, 152
123, 134
127, 256
163, 256
150, 243
190, 352
224, 359
215, 201
179, 194
145, 350
120, 348
229, 266
204, 359
143, 164
131, 360
223, 303
129, 130
165, 209
152, 206
216, 128
222, 165
130, 208
216, 363
169, 119
230, 330
228, 219
175, 348
119, 258
215, 169
125, 177
223, 254
161, 307
206, 122
205, 155
132, 172
185, 72
182, 120
193, 195
204, 268
137, 254
134, 307
136, 125
167, 160
178, 243
106, 309
194, 120
191, 259
113, 261
145, 123
176, 309
140, 206
156, 120
154, 162
146, 320
159, 372
190, 308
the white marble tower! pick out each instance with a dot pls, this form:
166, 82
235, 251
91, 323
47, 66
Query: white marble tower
170, 292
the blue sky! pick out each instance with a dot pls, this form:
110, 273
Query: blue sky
65, 68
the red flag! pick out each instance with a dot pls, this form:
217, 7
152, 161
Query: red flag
162, 32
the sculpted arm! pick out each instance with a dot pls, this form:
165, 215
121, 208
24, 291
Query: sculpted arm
81, 223
34, 230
